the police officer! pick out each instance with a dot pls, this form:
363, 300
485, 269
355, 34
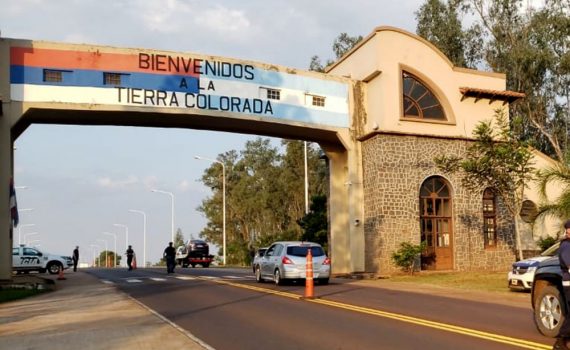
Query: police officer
170, 254
130, 253
564, 257
75, 258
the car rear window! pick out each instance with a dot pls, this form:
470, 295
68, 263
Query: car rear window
302, 250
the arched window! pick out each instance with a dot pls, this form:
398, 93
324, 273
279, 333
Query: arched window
489, 219
529, 211
436, 227
419, 101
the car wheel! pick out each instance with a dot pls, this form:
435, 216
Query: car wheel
205, 265
193, 265
277, 278
323, 281
549, 311
258, 277
53, 268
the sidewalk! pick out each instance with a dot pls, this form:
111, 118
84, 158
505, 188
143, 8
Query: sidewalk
83, 313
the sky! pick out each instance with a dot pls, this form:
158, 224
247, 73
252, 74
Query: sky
81, 180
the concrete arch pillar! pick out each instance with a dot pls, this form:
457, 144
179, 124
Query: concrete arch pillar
346, 210
6, 171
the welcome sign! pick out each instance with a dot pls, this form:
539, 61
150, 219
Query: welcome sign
174, 81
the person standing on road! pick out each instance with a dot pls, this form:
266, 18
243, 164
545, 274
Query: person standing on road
169, 254
564, 256
130, 253
75, 258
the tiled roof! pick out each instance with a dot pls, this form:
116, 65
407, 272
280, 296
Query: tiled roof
492, 95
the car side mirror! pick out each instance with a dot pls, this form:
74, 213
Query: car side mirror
40, 254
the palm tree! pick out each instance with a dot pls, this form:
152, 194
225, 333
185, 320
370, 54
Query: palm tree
560, 175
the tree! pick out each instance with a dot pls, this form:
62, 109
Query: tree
496, 160
531, 46
439, 23
178, 238
315, 223
264, 195
110, 255
341, 45
559, 208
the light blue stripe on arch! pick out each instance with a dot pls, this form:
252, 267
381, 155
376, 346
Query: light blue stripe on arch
307, 115
282, 80
286, 112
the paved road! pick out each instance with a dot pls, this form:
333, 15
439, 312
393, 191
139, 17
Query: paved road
228, 309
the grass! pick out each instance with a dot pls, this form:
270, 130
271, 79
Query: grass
10, 294
480, 281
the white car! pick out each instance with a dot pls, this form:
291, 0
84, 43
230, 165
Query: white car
288, 261
26, 259
522, 274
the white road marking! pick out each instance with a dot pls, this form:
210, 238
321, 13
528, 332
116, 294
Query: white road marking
107, 282
185, 278
158, 279
133, 280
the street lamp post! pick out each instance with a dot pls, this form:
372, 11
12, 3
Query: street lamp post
172, 210
115, 237
144, 232
20, 231
126, 235
29, 234
94, 248
223, 202
106, 253
306, 182
34, 242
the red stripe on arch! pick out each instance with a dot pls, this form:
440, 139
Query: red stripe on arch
90, 60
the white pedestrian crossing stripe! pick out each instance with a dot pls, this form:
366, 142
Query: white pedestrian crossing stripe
133, 280
185, 278
107, 282
157, 279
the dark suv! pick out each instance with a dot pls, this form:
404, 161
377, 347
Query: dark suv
547, 297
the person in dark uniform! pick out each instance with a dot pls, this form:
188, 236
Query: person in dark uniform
130, 253
564, 256
170, 254
75, 258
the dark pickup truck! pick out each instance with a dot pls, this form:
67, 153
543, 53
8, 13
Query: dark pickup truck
547, 297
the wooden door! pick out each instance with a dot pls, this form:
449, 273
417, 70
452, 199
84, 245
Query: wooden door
436, 225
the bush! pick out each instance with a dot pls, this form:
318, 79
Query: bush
406, 256
546, 242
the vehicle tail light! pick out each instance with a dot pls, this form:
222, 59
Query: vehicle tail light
286, 260
327, 261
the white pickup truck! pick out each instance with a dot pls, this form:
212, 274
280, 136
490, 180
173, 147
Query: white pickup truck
26, 259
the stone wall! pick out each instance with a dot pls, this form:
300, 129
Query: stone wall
394, 168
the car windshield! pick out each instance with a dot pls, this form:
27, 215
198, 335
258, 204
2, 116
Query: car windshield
261, 252
553, 250
302, 250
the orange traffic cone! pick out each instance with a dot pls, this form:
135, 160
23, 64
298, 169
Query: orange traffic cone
60, 275
309, 284
134, 262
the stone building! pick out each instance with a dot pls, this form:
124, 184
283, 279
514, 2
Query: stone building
415, 105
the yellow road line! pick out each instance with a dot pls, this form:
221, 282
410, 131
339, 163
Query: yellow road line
525, 344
